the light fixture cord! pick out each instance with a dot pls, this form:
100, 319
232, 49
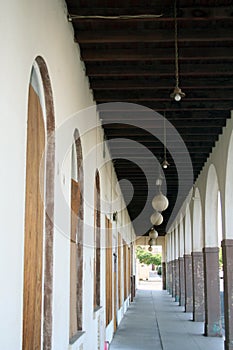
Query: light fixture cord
164, 136
176, 46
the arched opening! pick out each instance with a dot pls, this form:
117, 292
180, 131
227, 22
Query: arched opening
188, 262
181, 264
198, 239
228, 234
219, 223
96, 298
38, 236
213, 325
197, 259
76, 239
227, 249
211, 209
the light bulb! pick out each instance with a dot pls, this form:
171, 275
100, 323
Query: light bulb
150, 249
165, 164
177, 97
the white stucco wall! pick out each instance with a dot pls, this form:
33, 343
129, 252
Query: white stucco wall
30, 29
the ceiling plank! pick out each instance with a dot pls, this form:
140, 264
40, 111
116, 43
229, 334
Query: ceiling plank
185, 105
155, 36
158, 95
159, 54
219, 83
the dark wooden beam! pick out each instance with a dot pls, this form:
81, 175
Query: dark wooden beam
178, 106
196, 137
158, 95
184, 116
187, 12
196, 133
153, 83
154, 36
158, 125
197, 72
164, 54
190, 143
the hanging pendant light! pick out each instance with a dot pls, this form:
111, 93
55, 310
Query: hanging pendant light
153, 234
156, 218
152, 241
160, 202
177, 93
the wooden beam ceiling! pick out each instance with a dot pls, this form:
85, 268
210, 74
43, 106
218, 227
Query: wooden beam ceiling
131, 60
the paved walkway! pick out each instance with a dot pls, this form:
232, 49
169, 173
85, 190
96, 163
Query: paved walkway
155, 321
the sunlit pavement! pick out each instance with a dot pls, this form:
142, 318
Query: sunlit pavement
150, 285
155, 321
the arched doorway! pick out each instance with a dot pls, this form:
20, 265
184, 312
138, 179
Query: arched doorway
38, 236
76, 240
96, 296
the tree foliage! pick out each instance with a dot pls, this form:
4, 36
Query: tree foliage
148, 258
220, 258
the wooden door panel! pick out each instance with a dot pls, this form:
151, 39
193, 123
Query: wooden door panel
34, 224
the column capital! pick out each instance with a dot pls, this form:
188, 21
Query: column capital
227, 243
210, 249
197, 253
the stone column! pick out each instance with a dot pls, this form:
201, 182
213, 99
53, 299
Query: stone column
188, 283
164, 274
173, 279
170, 277
213, 326
168, 250
198, 287
167, 278
177, 281
227, 252
182, 282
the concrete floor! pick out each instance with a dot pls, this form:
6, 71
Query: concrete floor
155, 321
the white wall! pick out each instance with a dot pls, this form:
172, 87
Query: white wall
30, 29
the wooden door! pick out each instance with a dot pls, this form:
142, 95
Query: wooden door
34, 224
108, 271
115, 298
75, 205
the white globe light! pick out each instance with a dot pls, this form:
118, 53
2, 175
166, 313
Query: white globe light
150, 249
153, 233
156, 218
160, 202
152, 241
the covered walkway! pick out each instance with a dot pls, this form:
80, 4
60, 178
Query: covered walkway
155, 321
